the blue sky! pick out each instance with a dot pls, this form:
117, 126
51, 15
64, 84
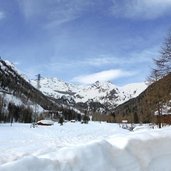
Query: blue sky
84, 40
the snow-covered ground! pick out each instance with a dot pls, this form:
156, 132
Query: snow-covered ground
83, 147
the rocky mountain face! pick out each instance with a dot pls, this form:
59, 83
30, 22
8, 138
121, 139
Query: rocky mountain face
100, 96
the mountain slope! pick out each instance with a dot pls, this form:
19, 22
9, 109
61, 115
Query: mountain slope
155, 99
19, 100
105, 93
13, 83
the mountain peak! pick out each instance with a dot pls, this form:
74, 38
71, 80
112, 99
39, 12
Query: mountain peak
99, 91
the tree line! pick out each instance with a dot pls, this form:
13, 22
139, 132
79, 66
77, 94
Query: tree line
10, 112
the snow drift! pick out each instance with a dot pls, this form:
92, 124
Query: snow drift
139, 151
137, 155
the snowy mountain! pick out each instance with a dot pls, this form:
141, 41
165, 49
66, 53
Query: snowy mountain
105, 93
133, 102
57, 94
19, 100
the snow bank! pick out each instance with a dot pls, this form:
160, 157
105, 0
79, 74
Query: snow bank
138, 151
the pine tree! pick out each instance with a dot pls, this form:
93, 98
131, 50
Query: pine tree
61, 120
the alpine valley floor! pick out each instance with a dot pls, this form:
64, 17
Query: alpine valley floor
84, 147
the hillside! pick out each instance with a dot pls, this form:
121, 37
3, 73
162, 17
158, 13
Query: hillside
15, 84
19, 100
154, 100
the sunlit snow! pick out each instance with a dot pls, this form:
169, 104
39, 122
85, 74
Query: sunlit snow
83, 147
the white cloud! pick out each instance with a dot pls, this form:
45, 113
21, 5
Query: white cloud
33, 9
137, 58
99, 61
17, 63
2, 15
145, 9
54, 12
107, 75
92, 62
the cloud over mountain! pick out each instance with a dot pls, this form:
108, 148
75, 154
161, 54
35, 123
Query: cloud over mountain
106, 75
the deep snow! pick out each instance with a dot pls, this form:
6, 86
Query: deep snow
83, 147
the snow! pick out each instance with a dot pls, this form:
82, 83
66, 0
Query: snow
18, 102
165, 110
10, 98
103, 92
138, 87
45, 122
131, 90
15, 69
83, 147
54, 87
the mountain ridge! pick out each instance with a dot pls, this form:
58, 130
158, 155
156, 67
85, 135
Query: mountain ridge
53, 93
102, 92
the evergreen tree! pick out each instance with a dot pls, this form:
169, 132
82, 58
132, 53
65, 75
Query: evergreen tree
61, 120
85, 118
